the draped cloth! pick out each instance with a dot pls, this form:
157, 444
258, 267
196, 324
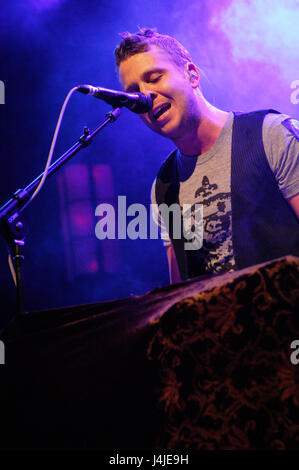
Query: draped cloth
226, 379
204, 364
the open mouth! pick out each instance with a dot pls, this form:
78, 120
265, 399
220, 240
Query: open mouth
161, 110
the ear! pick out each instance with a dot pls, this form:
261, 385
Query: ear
192, 74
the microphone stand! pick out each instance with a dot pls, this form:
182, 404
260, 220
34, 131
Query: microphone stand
11, 223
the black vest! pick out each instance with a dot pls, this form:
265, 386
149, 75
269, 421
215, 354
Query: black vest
264, 226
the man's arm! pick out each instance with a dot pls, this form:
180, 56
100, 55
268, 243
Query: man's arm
174, 273
294, 202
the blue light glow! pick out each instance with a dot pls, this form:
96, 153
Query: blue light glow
263, 30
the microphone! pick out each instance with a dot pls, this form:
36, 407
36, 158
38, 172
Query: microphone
137, 102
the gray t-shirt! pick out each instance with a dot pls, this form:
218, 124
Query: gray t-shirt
205, 180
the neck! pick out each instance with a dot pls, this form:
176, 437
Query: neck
206, 130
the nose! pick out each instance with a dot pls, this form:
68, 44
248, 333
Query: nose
152, 95
146, 90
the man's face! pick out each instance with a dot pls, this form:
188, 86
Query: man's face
154, 73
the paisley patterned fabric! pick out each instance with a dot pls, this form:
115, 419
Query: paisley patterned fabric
226, 378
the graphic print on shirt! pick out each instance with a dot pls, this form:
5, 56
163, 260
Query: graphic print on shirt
216, 254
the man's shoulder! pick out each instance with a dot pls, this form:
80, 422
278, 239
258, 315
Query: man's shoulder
277, 128
283, 125
274, 120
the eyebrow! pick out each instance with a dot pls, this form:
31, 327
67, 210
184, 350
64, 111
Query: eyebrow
145, 76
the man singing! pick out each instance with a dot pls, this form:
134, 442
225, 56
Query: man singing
240, 169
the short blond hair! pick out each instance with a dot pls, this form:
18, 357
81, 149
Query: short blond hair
141, 41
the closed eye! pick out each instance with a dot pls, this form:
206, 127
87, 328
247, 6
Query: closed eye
151, 79
154, 80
